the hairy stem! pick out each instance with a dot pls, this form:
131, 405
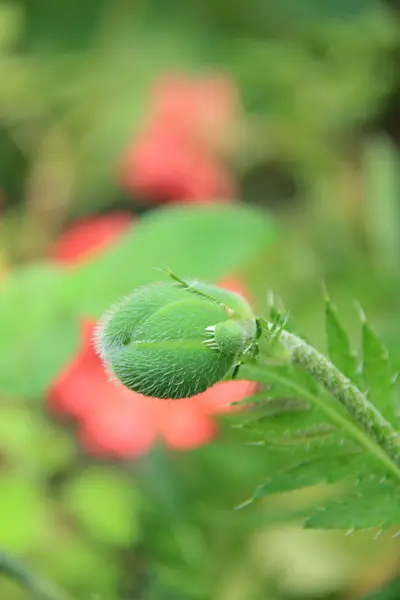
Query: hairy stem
268, 375
341, 388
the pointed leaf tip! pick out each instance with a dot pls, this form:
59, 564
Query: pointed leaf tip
338, 343
378, 378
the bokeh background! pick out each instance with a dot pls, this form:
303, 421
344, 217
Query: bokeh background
250, 144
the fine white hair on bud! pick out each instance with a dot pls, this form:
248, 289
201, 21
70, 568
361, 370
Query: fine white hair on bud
175, 339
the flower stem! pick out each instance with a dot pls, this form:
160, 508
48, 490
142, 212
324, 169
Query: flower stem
268, 375
341, 388
40, 589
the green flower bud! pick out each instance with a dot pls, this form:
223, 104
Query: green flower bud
175, 340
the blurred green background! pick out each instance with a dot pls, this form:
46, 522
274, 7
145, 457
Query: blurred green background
254, 144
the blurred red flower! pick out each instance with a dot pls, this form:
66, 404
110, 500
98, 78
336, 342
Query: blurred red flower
179, 156
165, 167
89, 236
201, 108
114, 421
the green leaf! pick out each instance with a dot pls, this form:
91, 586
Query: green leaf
291, 388
327, 469
22, 516
280, 416
105, 503
41, 306
286, 429
308, 11
338, 343
372, 503
25, 439
280, 419
346, 454
377, 375
389, 591
204, 242
38, 334
74, 559
381, 205
11, 25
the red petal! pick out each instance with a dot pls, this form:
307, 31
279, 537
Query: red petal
89, 236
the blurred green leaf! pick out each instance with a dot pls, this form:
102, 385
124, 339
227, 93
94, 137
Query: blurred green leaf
390, 591
37, 333
205, 242
105, 503
22, 515
87, 566
20, 431
11, 19
382, 187
29, 441
309, 10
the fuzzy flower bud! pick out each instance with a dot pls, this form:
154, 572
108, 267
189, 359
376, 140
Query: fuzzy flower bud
175, 340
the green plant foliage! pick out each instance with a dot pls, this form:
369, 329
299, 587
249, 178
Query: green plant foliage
77, 558
338, 344
316, 442
40, 343
235, 234
26, 436
391, 591
380, 166
105, 503
371, 503
18, 496
378, 377
307, 9
36, 336
311, 132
